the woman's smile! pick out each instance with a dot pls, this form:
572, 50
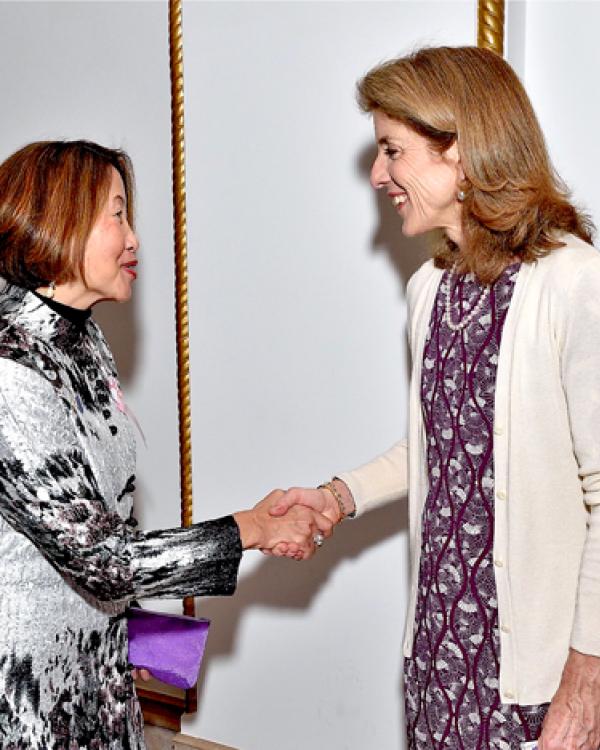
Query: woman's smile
398, 199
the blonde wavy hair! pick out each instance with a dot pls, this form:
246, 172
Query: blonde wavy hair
516, 206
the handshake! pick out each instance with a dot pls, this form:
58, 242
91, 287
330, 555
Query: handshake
294, 523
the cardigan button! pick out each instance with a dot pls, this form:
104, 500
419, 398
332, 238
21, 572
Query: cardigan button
501, 495
508, 694
498, 430
498, 563
505, 629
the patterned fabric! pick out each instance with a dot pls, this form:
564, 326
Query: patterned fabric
70, 556
451, 682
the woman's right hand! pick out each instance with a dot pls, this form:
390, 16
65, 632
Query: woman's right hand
290, 535
320, 499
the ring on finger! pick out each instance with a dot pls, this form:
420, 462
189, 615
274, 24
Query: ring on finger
318, 539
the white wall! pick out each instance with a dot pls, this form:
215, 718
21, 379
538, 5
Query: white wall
298, 355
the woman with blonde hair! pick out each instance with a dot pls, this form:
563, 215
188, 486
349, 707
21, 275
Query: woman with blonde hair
71, 558
502, 462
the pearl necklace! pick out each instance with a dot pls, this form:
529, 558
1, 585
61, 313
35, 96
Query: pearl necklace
463, 322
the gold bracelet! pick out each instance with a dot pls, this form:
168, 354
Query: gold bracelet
334, 491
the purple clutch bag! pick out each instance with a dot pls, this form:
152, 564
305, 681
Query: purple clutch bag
170, 647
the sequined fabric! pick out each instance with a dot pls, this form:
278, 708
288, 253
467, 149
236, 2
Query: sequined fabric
451, 682
70, 556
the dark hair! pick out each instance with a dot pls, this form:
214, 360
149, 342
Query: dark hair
515, 204
51, 193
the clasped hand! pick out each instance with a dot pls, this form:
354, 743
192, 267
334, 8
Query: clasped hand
299, 505
282, 528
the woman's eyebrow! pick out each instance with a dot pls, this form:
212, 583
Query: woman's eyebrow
388, 140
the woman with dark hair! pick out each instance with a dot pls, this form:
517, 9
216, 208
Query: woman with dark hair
70, 556
502, 461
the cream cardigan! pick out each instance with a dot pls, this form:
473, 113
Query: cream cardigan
546, 466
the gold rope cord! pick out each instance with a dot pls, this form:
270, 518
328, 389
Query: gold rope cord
490, 25
181, 274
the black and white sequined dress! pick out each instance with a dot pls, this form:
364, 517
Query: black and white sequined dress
70, 556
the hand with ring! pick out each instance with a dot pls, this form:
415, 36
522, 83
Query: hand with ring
296, 535
335, 504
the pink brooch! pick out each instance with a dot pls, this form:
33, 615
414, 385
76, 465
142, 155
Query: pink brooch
117, 394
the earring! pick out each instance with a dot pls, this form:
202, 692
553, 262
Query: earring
460, 196
49, 294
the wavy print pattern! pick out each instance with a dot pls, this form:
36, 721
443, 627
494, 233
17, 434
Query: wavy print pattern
451, 681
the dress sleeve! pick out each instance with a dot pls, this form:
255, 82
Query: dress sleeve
383, 479
48, 492
580, 371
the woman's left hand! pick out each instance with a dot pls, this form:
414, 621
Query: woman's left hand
573, 719
143, 674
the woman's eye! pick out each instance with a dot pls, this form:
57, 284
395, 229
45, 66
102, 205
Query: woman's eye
119, 215
392, 153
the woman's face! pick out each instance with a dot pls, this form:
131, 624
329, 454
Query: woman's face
109, 258
422, 184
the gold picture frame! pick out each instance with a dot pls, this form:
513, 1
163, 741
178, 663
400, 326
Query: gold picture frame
490, 25
161, 704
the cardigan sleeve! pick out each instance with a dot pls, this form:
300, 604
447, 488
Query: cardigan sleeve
48, 492
381, 480
580, 371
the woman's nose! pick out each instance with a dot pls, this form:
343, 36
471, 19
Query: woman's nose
379, 173
133, 243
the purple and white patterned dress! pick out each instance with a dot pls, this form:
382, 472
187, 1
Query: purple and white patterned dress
451, 681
